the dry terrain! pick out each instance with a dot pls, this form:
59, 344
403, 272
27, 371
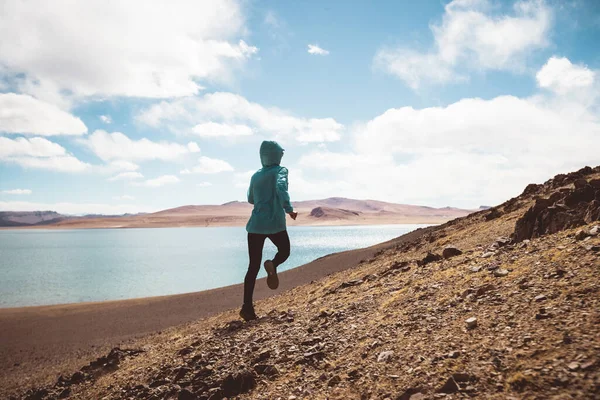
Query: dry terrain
501, 304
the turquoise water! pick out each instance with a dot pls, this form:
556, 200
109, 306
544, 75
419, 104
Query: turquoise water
54, 266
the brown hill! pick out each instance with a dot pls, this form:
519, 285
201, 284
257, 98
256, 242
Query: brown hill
340, 211
501, 304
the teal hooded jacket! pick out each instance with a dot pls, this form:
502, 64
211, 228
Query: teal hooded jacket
269, 192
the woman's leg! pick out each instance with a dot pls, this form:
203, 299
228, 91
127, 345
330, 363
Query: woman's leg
282, 241
255, 247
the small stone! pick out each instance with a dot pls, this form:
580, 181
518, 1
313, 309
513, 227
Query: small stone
539, 298
587, 365
185, 394
499, 273
594, 231
471, 323
454, 354
580, 234
487, 254
475, 268
384, 356
334, 380
573, 366
451, 251
542, 315
449, 387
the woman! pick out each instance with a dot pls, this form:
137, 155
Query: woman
269, 193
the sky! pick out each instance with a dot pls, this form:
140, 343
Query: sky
135, 106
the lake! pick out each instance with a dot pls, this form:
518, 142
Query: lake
39, 267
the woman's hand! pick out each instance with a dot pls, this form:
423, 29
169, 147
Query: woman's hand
293, 215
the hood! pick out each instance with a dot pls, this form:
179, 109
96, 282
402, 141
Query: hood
270, 153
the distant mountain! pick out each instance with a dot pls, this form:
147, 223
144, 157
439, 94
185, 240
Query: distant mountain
28, 218
44, 218
331, 211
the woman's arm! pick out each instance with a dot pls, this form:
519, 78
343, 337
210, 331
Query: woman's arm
282, 190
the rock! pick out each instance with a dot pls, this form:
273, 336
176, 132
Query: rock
475, 268
235, 384
38, 394
500, 273
573, 366
449, 387
542, 314
411, 394
502, 241
594, 231
580, 234
493, 214
563, 210
451, 251
384, 356
429, 258
354, 375
487, 254
267, 370
454, 354
185, 394
334, 380
580, 183
181, 372
471, 322
539, 298
158, 382
65, 393
262, 357
592, 213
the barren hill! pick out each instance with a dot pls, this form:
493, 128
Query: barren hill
340, 211
501, 304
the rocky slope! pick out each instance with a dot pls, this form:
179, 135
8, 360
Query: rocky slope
501, 304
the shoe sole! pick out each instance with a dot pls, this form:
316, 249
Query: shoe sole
272, 278
247, 319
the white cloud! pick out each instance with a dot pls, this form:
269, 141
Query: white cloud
234, 110
39, 153
204, 184
106, 119
124, 197
135, 48
468, 153
208, 165
117, 146
77, 208
315, 49
160, 181
215, 130
126, 176
17, 191
20, 113
471, 37
120, 165
561, 76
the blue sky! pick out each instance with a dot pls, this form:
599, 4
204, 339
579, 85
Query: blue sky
108, 108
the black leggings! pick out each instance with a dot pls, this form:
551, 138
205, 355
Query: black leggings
256, 242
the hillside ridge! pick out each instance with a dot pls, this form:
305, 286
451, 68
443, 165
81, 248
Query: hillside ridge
502, 303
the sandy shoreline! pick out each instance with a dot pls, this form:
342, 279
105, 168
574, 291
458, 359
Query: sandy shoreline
38, 343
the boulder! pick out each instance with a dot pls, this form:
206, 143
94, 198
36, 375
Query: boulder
451, 251
429, 258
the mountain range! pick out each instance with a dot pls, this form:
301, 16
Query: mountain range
330, 211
